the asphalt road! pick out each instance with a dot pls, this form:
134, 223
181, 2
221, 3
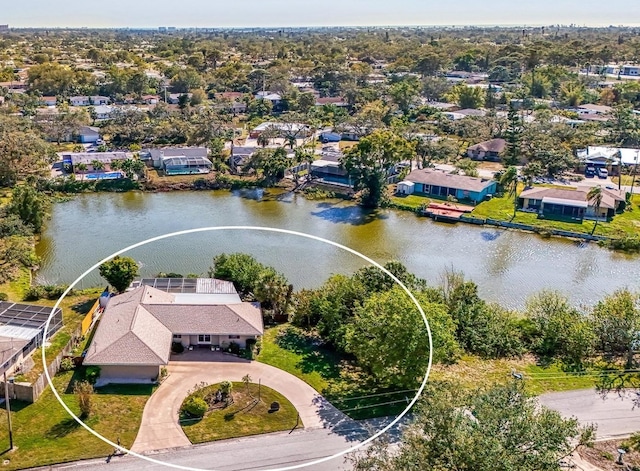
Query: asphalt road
273, 451
615, 416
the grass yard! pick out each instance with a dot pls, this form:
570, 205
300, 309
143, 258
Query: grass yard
410, 202
624, 224
44, 433
245, 416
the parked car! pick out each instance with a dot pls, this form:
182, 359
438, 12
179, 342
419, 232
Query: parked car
589, 172
602, 173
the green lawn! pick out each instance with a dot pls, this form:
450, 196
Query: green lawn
328, 373
44, 433
318, 374
410, 202
624, 224
245, 416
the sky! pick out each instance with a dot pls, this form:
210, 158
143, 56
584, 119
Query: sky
269, 13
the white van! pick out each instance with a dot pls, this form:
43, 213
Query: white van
602, 172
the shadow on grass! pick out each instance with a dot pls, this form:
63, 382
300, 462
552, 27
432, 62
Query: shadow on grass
315, 357
62, 429
84, 306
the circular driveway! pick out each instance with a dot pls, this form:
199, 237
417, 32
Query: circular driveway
159, 428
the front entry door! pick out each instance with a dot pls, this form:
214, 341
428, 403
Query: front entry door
204, 339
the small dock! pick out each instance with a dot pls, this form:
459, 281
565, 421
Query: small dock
447, 212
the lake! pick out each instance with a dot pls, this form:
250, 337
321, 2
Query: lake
508, 266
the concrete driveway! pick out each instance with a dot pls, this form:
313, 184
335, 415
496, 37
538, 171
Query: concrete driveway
615, 415
159, 428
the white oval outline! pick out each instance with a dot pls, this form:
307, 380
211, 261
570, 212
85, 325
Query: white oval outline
250, 228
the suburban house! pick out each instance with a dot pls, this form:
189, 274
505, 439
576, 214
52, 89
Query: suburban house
299, 130
487, 150
240, 155
150, 99
555, 203
88, 134
79, 101
630, 70
73, 159
442, 185
134, 337
22, 331
607, 157
332, 100
48, 100
174, 98
155, 157
103, 111
274, 98
591, 109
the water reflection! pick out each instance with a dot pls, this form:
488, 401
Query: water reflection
508, 266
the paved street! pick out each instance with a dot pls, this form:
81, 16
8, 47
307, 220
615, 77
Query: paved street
615, 416
251, 453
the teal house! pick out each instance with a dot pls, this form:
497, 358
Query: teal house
438, 184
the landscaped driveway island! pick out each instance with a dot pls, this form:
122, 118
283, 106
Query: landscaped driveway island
160, 428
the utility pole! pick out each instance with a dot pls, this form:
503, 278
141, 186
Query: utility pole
6, 399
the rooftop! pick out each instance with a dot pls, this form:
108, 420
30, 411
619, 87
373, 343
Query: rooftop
459, 182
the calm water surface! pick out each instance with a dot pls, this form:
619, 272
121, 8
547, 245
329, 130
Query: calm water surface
507, 266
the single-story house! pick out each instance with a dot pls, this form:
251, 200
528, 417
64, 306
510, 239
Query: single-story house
555, 203
79, 101
154, 157
613, 155
88, 134
104, 111
299, 130
332, 100
591, 109
48, 100
441, 185
99, 100
240, 155
151, 99
174, 98
630, 70
329, 137
274, 98
134, 337
487, 150
73, 159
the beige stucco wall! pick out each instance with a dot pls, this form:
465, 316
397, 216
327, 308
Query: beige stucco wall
128, 373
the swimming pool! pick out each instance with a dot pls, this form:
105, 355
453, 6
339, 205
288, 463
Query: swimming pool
103, 176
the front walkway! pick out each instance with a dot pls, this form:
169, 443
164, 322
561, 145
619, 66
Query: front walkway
160, 429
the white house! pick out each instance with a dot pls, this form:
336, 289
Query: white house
79, 101
630, 70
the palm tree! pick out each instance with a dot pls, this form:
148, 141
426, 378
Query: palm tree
97, 165
263, 139
509, 181
595, 197
81, 167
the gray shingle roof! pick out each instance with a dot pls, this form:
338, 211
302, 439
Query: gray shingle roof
137, 326
459, 182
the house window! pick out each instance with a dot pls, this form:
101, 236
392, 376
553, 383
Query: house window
204, 338
177, 336
234, 336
